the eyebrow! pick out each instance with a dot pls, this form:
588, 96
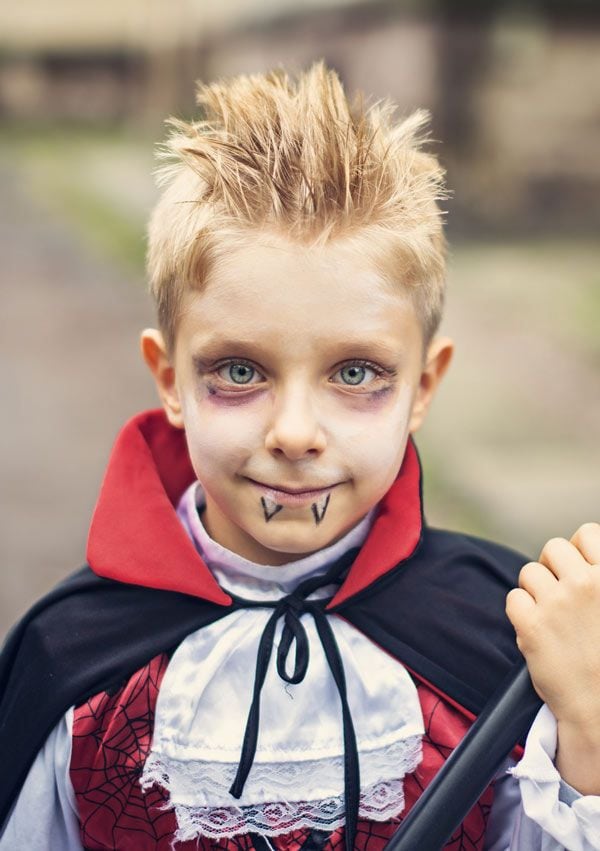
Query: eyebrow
373, 349
214, 347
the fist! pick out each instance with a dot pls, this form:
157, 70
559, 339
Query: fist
556, 615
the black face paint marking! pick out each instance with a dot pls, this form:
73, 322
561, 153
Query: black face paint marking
269, 507
319, 508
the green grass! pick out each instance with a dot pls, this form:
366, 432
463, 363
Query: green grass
102, 226
57, 165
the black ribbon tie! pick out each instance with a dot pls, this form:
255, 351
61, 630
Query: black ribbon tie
291, 608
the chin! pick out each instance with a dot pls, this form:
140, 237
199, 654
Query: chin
298, 545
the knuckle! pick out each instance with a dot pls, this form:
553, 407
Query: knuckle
525, 638
527, 567
584, 583
511, 600
520, 614
552, 547
528, 572
521, 643
591, 527
587, 533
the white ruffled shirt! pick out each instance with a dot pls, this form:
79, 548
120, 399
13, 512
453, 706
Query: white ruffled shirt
297, 775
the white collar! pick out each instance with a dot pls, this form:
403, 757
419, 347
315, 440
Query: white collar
245, 578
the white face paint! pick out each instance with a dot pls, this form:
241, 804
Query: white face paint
296, 369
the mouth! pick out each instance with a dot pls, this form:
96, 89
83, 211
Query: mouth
292, 496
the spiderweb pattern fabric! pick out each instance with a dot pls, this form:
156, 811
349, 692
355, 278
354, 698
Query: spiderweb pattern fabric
444, 728
112, 734
111, 739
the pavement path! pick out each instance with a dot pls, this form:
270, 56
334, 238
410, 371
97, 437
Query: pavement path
71, 374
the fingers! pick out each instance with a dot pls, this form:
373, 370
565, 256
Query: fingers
520, 607
559, 559
562, 558
521, 610
560, 562
587, 541
556, 616
537, 580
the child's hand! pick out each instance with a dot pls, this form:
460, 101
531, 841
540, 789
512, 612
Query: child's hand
556, 615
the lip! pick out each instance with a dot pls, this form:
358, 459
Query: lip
284, 495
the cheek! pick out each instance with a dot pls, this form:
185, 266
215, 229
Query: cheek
220, 439
376, 438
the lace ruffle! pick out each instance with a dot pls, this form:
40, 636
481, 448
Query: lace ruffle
281, 797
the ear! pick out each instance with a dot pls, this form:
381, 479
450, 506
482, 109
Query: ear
154, 352
437, 361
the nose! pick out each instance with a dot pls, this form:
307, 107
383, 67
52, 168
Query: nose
295, 431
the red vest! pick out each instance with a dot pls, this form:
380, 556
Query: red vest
112, 734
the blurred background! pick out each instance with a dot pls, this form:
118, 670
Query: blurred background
511, 448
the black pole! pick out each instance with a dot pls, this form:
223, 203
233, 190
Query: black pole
470, 767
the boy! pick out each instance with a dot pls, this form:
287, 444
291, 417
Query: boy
233, 670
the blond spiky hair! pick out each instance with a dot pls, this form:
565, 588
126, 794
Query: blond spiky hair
295, 158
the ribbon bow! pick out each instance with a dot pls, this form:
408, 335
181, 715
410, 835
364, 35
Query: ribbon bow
291, 608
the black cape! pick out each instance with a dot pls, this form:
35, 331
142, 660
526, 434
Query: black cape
440, 612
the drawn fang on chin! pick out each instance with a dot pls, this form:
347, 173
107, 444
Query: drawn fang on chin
319, 508
270, 507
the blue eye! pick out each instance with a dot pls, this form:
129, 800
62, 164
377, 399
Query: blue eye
353, 374
237, 372
364, 375
241, 373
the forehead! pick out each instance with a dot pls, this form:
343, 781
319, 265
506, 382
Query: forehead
281, 292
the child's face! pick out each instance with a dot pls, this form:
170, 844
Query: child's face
298, 375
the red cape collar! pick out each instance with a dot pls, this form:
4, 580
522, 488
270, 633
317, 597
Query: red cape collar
137, 538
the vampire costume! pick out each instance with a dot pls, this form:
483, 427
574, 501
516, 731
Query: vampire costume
377, 654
